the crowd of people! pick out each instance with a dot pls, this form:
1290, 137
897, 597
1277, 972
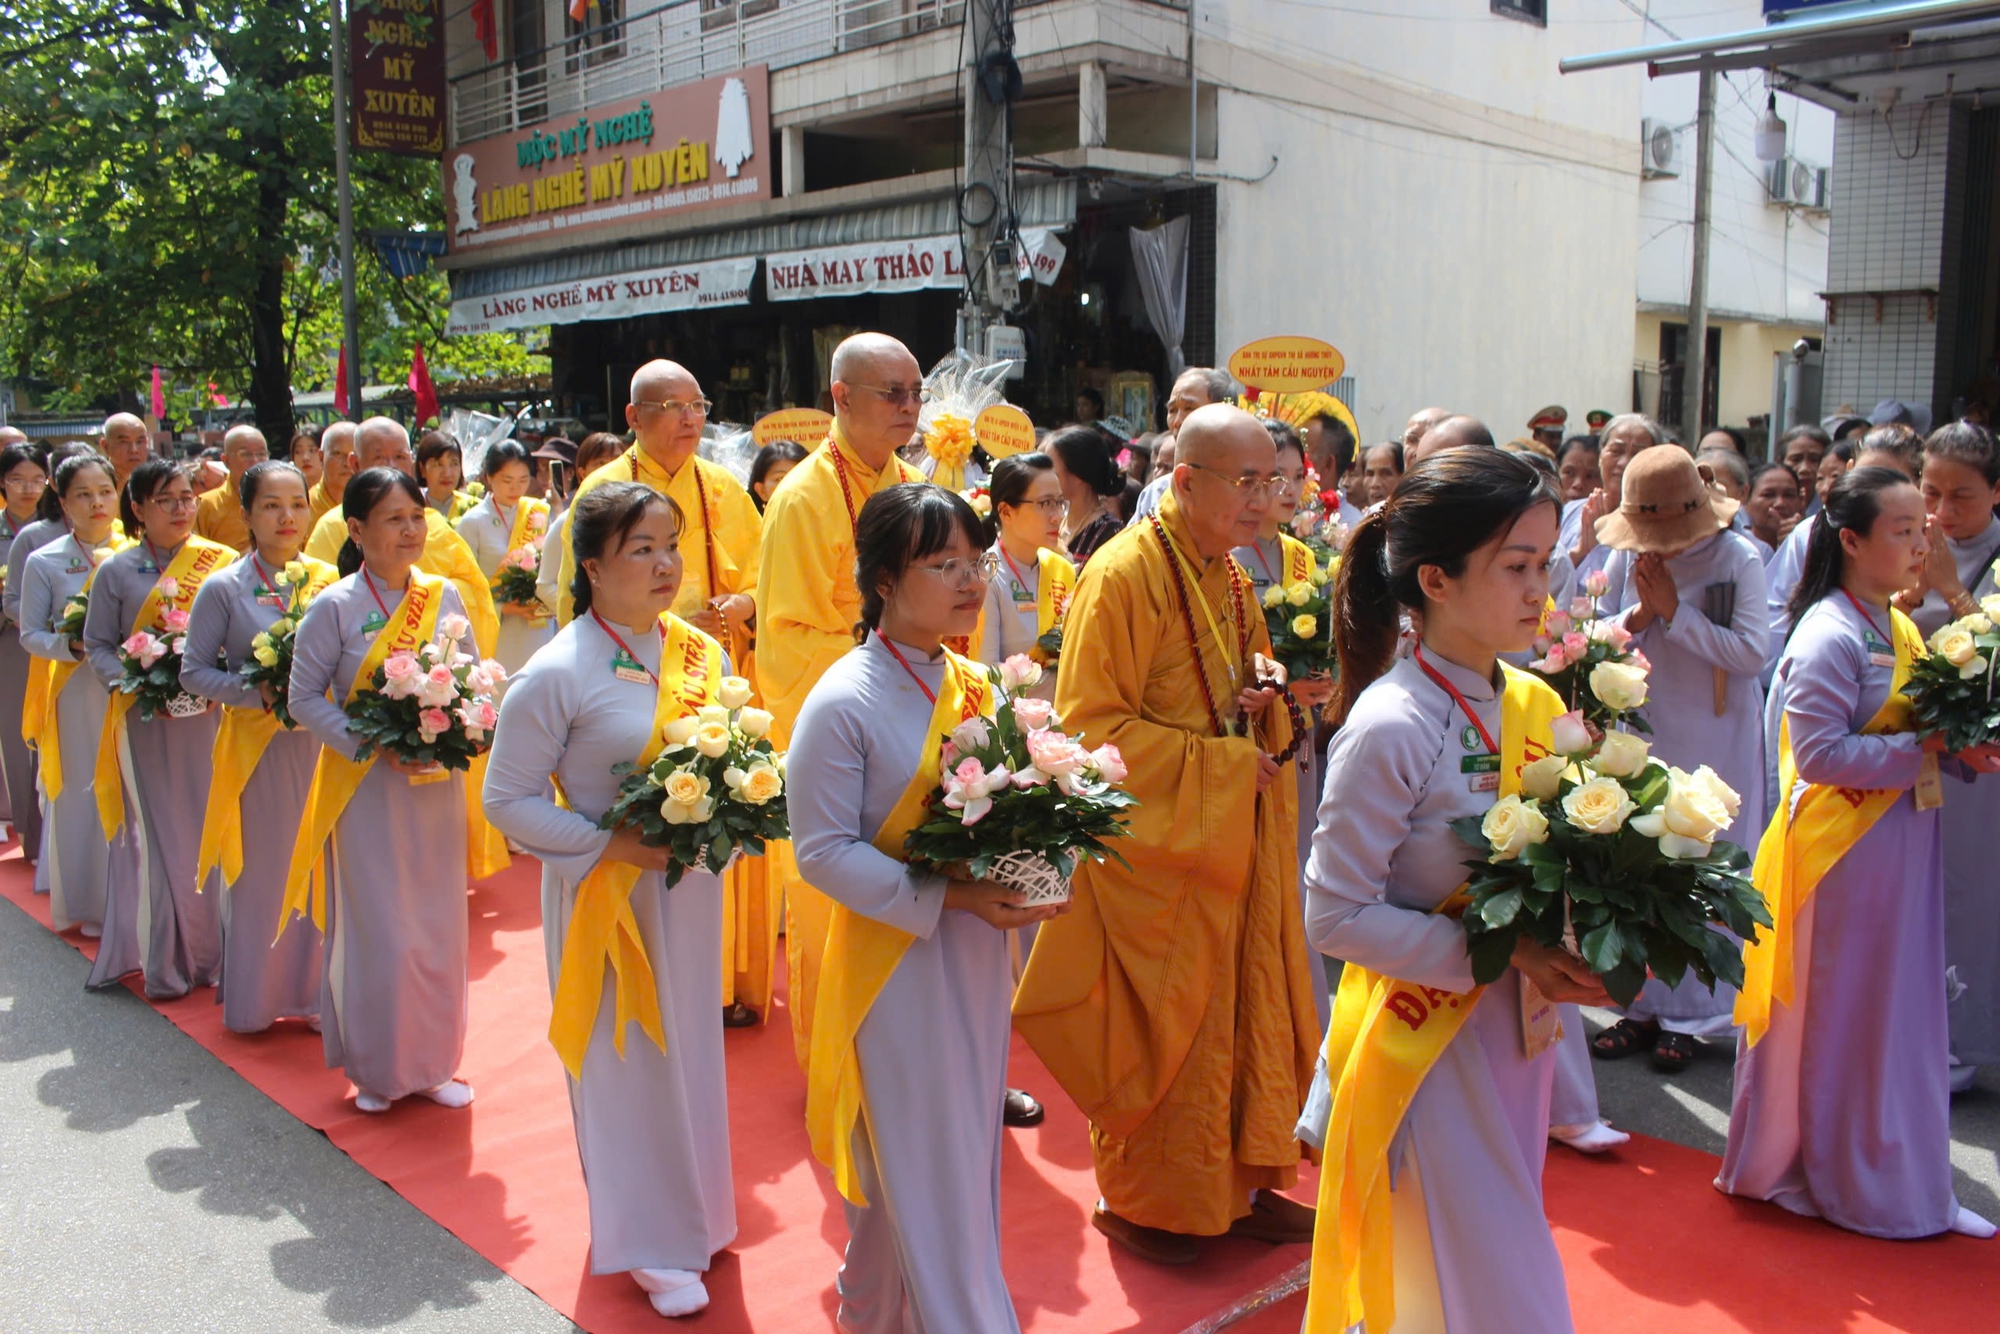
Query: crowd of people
1214, 1000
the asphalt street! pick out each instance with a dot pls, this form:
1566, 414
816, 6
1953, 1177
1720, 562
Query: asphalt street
149, 1188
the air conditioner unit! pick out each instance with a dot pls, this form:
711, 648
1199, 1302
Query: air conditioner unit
1659, 149
1796, 183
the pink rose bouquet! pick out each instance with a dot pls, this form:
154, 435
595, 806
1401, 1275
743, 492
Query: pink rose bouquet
433, 706
152, 663
1591, 663
520, 570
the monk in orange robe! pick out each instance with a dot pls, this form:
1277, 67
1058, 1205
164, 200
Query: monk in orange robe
1174, 1003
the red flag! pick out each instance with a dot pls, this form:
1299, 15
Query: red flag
340, 383
216, 397
420, 385
159, 397
485, 29
578, 8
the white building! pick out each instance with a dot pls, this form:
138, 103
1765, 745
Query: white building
1413, 182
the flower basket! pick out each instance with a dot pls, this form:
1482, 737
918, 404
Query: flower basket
186, 706
1030, 875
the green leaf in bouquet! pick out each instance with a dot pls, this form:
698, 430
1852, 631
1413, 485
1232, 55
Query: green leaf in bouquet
1671, 965
1491, 954
1501, 909
1584, 892
1725, 960
1625, 982
1604, 948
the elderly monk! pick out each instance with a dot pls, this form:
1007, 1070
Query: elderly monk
1456, 431
719, 538
218, 515
807, 604
1175, 1003
126, 442
336, 449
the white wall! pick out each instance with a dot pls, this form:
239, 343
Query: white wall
1765, 261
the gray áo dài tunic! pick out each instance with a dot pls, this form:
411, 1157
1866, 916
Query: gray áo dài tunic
392, 1008
156, 919
1843, 1110
486, 528
262, 982
23, 807
1466, 1163
31, 538
73, 850
652, 1127
933, 1049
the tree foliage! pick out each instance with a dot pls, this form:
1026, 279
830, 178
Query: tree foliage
167, 198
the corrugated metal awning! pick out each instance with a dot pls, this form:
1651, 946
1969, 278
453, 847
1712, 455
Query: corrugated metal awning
1038, 204
1841, 31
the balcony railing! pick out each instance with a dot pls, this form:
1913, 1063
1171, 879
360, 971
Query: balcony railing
677, 43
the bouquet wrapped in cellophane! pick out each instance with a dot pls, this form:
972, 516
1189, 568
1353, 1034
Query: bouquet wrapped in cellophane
1616, 857
433, 706
1020, 801
717, 787
1590, 662
270, 660
1952, 685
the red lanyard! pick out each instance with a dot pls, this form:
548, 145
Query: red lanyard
158, 564
88, 553
1458, 699
1864, 612
626, 648
897, 653
271, 584
1012, 569
1270, 576
369, 580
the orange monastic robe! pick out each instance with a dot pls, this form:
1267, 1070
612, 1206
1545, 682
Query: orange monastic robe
1173, 1002
807, 607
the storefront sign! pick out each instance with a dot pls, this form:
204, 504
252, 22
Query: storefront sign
1040, 256
724, 282
801, 426
868, 266
1004, 429
692, 146
395, 49
1287, 364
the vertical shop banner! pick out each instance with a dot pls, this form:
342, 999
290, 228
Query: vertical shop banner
692, 146
395, 54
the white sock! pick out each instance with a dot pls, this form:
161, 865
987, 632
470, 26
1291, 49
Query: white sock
90, 931
1969, 1224
1595, 1137
452, 1093
370, 1102
673, 1292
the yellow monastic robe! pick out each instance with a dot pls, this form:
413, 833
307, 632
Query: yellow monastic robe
1173, 1002
321, 500
445, 554
218, 516
807, 607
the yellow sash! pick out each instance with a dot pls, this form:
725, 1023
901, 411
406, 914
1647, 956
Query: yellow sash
602, 927
1055, 585
1802, 843
35, 699
197, 560
39, 724
1383, 1040
861, 952
240, 742
335, 777
1299, 561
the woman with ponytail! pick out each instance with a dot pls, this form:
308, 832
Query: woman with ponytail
1437, 1222
1842, 1106
380, 859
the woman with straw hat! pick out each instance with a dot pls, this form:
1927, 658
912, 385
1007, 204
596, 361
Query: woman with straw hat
1689, 589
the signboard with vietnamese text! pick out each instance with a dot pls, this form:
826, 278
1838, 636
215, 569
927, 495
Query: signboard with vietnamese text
865, 266
801, 426
692, 146
723, 282
395, 53
1004, 429
1287, 364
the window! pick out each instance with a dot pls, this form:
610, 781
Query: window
599, 38
1528, 11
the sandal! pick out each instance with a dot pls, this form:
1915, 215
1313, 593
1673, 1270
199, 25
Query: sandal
1627, 1037
1672, 1053
739, 1015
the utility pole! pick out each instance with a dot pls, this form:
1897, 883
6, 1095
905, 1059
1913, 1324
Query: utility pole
1695, 364
986, 202
349, 323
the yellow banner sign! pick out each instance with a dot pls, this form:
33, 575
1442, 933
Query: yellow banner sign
803, 426
1287, 364
1004, 429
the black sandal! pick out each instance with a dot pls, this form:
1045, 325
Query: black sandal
739, 1015
1627, 1037
1672, 1053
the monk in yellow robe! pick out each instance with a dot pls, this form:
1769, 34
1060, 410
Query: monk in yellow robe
807, 604
1174, 1003
381, 442
720, 535
218, 514
336, 451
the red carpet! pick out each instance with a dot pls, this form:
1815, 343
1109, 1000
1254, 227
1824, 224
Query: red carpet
504, 1178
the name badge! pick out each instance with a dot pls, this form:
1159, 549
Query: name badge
1482, 772
1879, 653
271, 600
1024, 606
372, 623
76, 567
146, 566
626, 668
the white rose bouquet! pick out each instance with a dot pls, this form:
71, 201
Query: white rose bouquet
1300, 619
1616, 857
430, 707
1019, 800
717, 787
1952, 685
1590, 662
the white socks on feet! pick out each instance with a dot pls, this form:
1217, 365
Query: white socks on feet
673, 1292
453, 1093
370, 1102
1593, 1138
1969, 1224
90, 931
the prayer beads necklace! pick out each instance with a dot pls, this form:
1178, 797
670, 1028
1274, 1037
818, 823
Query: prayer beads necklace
1187, 619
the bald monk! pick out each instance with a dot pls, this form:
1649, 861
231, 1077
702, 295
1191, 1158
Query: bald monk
218, 515
1174, 1003
807, 604
381, 442
336, 451
720, 535
124, 440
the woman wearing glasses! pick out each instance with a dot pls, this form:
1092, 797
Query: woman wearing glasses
1033, 579
153, 773
911, 1027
